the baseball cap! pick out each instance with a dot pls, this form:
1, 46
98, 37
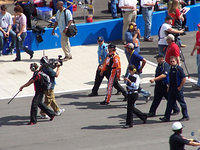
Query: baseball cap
111, 46
177, 126
159, 56
198, 25
129, 45
100, 39
170, 36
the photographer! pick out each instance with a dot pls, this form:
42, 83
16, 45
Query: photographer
49, 94
165, 29
132, 35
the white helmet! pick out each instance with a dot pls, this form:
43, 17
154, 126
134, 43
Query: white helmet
176, 126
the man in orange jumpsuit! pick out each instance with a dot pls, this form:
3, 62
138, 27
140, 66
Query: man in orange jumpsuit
113, 65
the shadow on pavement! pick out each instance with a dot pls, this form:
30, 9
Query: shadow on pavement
14, 120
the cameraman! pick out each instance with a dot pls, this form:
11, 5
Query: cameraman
165, 29
49, 94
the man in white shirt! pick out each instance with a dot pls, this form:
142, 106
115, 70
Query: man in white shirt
6, 28
129, 10
164, 30
147, 12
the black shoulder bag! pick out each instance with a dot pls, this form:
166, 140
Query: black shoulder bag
72, 30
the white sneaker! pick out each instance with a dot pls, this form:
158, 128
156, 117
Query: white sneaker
58, 113
44, 117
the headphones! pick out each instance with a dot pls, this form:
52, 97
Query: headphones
131, 27
33, 66
134, 70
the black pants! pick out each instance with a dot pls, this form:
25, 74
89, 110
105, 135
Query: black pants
160, 91
37, 102
99, 79
131, 109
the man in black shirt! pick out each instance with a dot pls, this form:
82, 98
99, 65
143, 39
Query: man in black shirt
177, 141
37, 99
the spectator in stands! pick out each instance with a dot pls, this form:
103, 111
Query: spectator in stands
63, 20
129, 10
147, 12
21, 32
132, 35
6, 28
174, 12
197, 47
172, 49
166, 28
28, 10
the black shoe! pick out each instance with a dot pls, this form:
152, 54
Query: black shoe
31, 55
148, 39
144, 119
118, 93
127, 126
125, 99
93, 94
151, 115
175, 113
51, 119
17, 59
104, 103
164, 119
184, 119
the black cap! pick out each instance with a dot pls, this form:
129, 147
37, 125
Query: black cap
100, 39
111, 46
168, 17
159, 56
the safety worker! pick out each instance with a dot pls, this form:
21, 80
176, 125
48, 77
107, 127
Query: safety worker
160, 90
177, 141
112, 64
37, 99
133, 82
135, 59
176, 82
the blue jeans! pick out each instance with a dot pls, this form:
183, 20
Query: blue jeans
147, 16
20, 46
198, 69
113, 8
162, 49
12, 34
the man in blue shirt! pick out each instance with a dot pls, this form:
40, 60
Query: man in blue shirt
63, 20
176, 82
135, 59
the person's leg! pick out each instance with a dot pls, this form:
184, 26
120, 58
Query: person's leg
23, 37
54, 105
182, 103
66, 46
147, 16
198, 69
129, 117
119, 87
12, 34
162, 49
34, 109
113, 8
98, 81
18, 46
1, 42
127, 17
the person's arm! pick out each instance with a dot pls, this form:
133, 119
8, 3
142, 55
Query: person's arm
21, 30
195, 46
57, 70
135, 36
54, 27
178, 60
158, 78
26, 84
143, 64
192, 143
172, 30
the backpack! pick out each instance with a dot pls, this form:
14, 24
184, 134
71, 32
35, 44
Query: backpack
44, 81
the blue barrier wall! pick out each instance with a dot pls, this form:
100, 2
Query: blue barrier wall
110, 29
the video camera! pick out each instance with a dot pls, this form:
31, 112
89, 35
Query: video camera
52, 63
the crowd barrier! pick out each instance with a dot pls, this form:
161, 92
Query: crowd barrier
110, 29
